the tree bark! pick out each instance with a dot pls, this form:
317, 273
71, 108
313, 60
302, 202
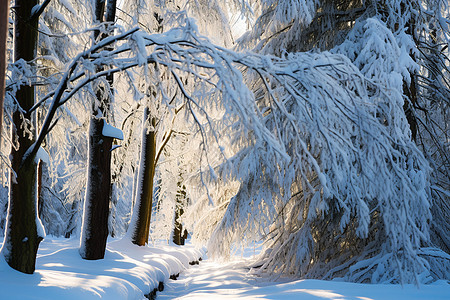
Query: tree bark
110, 17
39, 188
22, 237
4, 10
178, 233
140, 223
411, 91
410, 105
98, 192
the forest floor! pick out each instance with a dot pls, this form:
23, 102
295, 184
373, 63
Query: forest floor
210, 280
127, 271
130, 272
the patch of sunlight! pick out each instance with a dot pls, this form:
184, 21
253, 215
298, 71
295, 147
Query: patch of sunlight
64, 280
319, 293
53, 265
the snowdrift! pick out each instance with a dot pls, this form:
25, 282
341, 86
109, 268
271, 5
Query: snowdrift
127, 272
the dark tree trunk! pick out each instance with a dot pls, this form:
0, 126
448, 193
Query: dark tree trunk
4, 10
411, 92
39, 188
22, 238
110, 17
410, 105
140, 224
178, 233
98, 193
139, 227
178, 228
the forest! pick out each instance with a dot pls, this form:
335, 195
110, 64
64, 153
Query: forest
317, 129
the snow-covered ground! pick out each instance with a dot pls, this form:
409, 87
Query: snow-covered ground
129, 272
231, 281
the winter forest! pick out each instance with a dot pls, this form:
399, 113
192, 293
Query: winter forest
317, 130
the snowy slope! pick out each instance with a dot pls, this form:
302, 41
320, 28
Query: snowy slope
127, 272
232, 281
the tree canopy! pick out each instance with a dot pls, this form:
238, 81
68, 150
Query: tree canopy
321, 132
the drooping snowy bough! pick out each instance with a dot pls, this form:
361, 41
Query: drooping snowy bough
352, 200
328, 174
337, 189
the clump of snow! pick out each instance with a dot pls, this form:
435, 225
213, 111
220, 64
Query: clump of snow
39, 226
42, 155
35, 9
111, 131
114, 147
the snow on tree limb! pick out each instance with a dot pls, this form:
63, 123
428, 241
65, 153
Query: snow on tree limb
321, 150
111, 131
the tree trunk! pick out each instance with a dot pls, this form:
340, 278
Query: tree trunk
178, 233
138, 230
40, 197
23, 235
4, 10
110, 17
410, 105
140, 222
411, 91
98, 193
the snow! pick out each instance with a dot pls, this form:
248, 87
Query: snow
127, 272
372, 169
210, 280
39, 226
42, 155
35, 9
114, 147
111, 131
